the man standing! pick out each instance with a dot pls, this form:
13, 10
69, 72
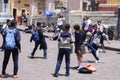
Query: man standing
65, 46
12, 45
4, 28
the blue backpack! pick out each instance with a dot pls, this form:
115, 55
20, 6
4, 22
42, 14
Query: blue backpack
35, 35
10, 39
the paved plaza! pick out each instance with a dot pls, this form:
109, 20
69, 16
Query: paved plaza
42, 69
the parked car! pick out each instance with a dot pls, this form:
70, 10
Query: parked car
4, 16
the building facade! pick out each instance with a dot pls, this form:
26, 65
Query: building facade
109, 5
1, 2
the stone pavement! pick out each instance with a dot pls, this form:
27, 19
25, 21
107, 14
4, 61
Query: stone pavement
42, 69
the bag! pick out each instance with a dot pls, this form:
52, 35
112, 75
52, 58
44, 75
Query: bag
10, 39
90, 67
35, 35
82, 49
84, 70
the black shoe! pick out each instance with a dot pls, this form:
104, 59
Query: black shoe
31, 57
67, 74
76, 67
55, 75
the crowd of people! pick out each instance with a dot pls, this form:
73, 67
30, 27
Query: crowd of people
91, 35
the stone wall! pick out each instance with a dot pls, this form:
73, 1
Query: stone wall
106, 17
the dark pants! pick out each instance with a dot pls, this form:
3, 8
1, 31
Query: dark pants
6, 59
62, 52
94, 48
37, 43
20, 21
60, 27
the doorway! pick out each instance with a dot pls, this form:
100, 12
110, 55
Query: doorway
23, 11
15, 13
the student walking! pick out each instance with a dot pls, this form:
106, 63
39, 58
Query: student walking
65, 45
12, 45
79, 46
39, 39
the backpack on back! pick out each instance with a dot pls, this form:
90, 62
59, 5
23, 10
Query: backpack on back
10, 39
35, 35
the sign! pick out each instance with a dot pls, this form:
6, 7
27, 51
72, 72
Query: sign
118, 25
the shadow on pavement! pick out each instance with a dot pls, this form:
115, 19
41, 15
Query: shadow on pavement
8, 76
88, 61
36, 57
118, 53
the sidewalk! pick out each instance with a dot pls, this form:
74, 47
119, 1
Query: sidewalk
114, 44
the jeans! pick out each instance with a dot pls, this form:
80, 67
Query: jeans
7, 54
62, 52
45, 52
37, 43
94, 48
35, 48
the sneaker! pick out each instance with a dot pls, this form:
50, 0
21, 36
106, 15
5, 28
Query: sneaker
15, 76
31, 57
2, 76
76, 67
97, 61
55, 75
67, 75
79, 67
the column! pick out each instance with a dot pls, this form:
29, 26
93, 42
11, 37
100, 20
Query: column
81, 5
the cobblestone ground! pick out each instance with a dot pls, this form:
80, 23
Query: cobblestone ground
42, 69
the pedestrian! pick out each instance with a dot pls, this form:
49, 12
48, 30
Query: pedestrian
94, 43
27, 19
4, 28
21, 19
102, 29
79, 45
64, 45
86, 25
60, 22
39, 42
12, 45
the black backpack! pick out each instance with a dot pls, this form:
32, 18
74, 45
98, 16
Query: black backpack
84, 70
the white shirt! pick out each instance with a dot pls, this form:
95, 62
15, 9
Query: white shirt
100, 28
5, 26
60, 21
87, 22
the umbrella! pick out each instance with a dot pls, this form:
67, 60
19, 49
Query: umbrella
48, 13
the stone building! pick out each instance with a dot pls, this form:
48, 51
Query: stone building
1, 2
109, 5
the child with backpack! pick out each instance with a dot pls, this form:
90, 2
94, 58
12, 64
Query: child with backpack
39, 39
65, 45
11, 45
